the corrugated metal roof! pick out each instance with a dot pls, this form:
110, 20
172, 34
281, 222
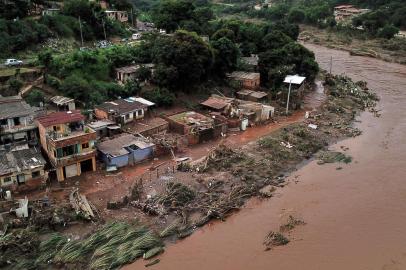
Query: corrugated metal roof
60, 118
60, 100
116, 147
142, 100
121, 106
214, 103
244, 75
294, 79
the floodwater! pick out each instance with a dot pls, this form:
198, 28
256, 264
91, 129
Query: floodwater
356, 216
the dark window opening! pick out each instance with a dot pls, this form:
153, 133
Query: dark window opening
36, 174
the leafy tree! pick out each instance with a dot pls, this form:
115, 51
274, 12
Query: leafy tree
161, 97
143, 74
388, 31
226, 55
186, 56
45, 59
227, 33
35, 97
132, 87
170, 13
274, 40
296, 15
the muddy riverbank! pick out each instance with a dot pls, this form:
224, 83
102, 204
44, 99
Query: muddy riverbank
355, 216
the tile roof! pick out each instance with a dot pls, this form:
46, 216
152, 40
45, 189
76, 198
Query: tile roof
121, 106
62, 117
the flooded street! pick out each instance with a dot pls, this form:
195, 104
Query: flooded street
356, 217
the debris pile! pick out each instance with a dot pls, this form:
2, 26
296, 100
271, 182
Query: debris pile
332, 157
110, 247
291, 224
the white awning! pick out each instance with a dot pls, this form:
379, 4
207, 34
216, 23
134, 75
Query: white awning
294, 79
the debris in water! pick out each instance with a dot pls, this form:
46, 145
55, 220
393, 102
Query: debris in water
291, 224
332, 157
275, 239
152, 263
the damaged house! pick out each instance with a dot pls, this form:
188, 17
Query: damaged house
197, 127
124, 150
20, 166
68, 143
239, 112
123, 74
17, 121
117, 15
250, 95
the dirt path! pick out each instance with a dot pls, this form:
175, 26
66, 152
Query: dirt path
355, 216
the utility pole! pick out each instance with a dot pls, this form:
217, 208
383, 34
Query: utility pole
132, 17
287, 103
104, 30
81, 34
331, 63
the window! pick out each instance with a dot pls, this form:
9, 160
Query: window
7, 180
4, 122
85, 145
127, 116
36, 174
17, 121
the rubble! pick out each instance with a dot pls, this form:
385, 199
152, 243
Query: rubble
274, 239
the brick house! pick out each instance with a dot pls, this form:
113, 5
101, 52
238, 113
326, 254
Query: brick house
68, 143
248, 80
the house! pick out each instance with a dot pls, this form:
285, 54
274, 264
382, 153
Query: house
249, 80
19, 166
68, 143
251, 61
197, 127
123, 74
124, 150
63, 103
50, 11
17, 121
121, 111
255, 96
104, 128
346, 12
121, 16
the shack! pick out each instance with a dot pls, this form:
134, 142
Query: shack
123, 74
197, 127
104, 128
63, 103
124, 150
250, 95
249, 80
296, 83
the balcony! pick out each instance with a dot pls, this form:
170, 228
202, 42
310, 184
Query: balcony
72, 136
5, 129
63, 161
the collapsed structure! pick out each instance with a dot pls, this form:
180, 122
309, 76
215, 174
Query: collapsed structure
19, 166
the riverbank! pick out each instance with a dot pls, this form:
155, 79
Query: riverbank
393, 50
355, 216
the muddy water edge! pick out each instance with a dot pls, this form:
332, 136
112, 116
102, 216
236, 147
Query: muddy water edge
356, 216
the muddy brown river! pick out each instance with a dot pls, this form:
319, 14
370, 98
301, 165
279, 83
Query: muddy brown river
356, 217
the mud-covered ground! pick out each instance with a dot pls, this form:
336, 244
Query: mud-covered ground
174, 202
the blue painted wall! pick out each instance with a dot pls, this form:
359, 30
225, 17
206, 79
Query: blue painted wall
140, 154
119, 161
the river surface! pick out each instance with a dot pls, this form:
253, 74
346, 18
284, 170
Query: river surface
356, 216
